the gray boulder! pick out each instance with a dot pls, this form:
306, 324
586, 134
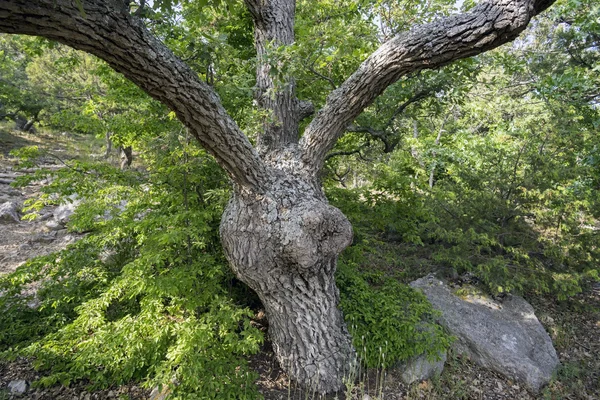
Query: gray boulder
18, 388
9, 212
63, 212
503, 336
120, 207
53, 225
419, 368
44, 237
160, 393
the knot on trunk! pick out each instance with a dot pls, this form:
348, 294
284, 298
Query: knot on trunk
312, 235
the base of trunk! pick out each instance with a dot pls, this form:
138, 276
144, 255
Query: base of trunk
309, 336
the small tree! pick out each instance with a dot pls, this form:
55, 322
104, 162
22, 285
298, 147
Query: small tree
279, 233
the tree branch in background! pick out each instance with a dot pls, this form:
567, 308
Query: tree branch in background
437, 143
141, 8
388, 141
381, 135
416, 98
331, 82
347, 153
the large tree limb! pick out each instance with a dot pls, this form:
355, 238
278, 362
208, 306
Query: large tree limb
274, 27
428, 46
107, 30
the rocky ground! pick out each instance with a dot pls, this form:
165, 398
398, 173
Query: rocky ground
20, 374
573, 325
21, 240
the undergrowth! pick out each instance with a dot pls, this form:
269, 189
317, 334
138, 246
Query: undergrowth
509, 249
390, 322
143, 296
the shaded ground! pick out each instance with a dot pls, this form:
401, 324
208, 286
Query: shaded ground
9, 141
574, 326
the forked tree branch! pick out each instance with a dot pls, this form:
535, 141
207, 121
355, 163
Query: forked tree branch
107, 30
428, 46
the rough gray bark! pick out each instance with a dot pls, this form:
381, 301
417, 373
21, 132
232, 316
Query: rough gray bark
274, 27
28, 127
437, 143
279, 234
284, 244
108, 141
126, 156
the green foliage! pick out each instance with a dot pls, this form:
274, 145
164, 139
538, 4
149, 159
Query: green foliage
393, 215
17, 94
389, 321
143, 295
494, 172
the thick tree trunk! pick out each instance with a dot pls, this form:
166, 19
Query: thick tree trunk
284, 244
28, 127
274, 27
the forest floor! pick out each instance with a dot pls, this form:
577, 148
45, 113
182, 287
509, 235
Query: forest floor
20, 242
574, 325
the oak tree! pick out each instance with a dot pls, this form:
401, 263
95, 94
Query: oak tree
280, 235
